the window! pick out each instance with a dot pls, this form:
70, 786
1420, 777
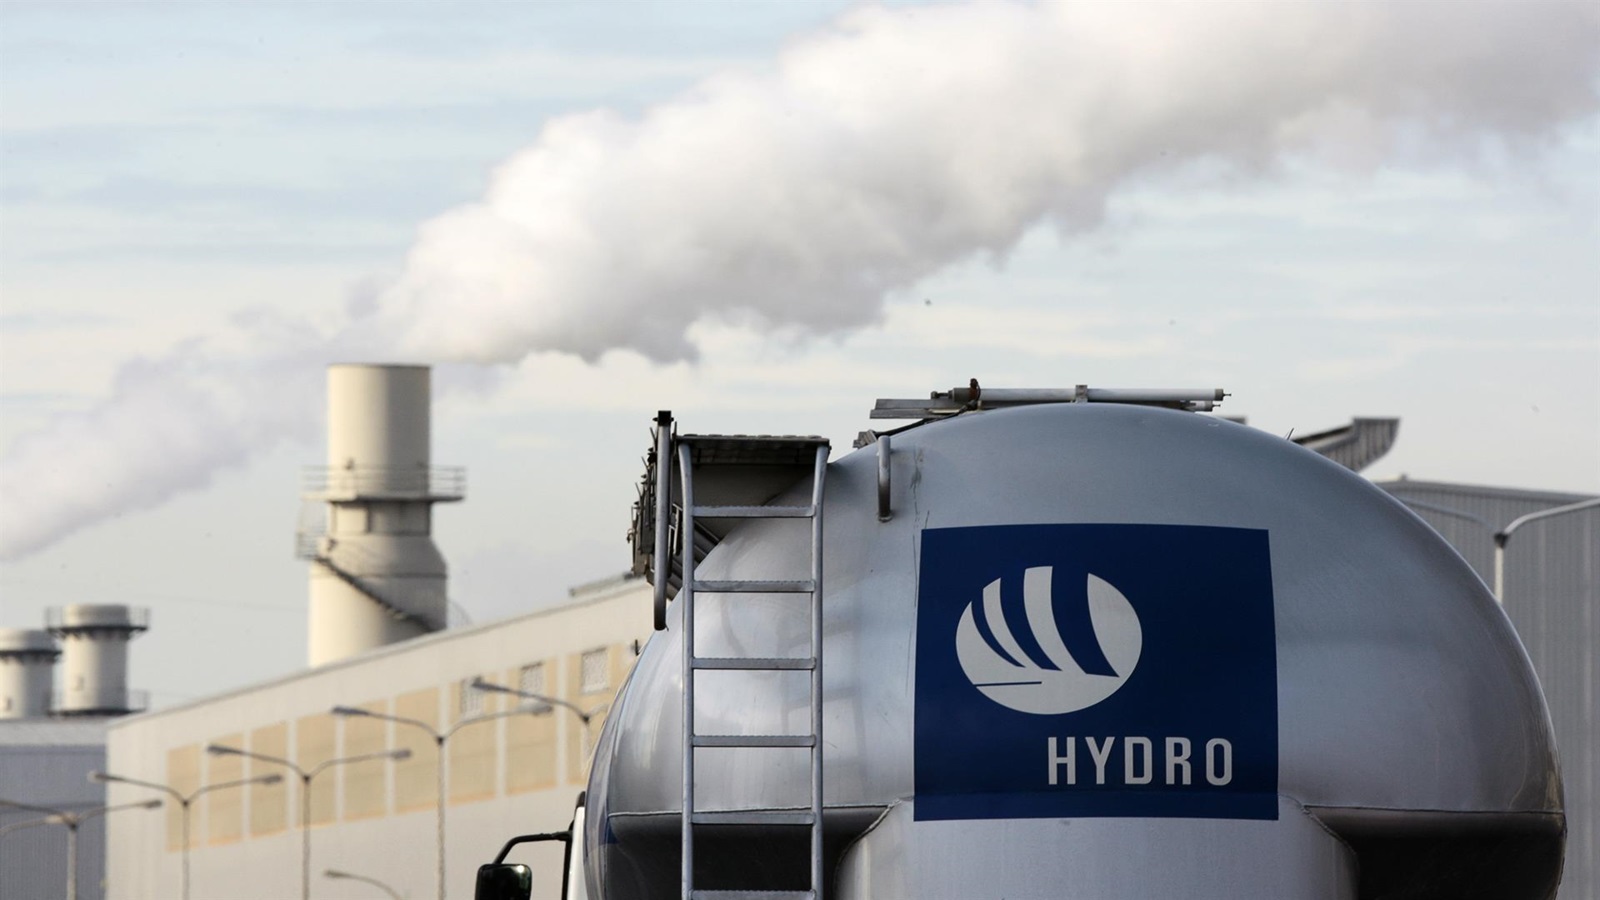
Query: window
531, 679
592, 671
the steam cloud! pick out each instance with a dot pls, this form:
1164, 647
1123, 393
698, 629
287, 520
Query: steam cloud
866, 158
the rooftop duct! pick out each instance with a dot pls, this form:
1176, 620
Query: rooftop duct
27, 661
94, 658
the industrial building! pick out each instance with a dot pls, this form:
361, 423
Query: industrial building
394, 750
508, 765
59, 686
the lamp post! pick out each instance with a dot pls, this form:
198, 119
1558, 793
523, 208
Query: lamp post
72, 820
31, 823
584, 715
439, 739
305, 792
184, 802
335, 873
1503, 536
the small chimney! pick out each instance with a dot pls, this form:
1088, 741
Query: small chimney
27, 662
94, 657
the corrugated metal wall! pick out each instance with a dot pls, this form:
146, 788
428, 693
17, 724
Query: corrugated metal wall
33, 861
1552, 589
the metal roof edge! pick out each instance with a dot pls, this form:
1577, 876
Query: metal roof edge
417, 643
1554, 498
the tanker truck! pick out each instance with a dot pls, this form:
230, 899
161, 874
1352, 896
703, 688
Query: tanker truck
1075, 643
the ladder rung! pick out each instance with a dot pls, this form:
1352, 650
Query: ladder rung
754, 740
753, 512
752, 895
755, 587
757, 663
751, 817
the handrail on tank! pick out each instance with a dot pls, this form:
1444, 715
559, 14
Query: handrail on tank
884, 512
661, 564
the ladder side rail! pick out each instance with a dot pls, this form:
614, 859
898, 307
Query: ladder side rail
686, 598
819, 476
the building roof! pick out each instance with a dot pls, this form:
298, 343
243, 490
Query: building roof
52, 733
585, 595
1354, 446
1552, 498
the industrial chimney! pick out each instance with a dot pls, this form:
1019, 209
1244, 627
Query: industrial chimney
376, 576
94, 657
27, 660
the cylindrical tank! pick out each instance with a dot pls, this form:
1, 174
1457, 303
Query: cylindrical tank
376, 575
94, 656
27, 664
1101, 651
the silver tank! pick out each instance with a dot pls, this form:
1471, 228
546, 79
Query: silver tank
1286, 686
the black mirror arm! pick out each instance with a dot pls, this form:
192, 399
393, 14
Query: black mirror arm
561, 836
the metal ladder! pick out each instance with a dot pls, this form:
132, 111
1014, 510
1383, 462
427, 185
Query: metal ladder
692, 664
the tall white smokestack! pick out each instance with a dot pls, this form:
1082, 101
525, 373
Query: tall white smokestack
27, 662
94, 657
376, 575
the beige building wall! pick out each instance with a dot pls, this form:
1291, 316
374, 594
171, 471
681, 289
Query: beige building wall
225, 807
269, 803
507, 771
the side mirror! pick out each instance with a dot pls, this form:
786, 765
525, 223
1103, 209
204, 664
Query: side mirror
504, 881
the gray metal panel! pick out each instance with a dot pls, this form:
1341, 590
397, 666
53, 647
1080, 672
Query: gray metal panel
1552, 586
46, 764
1467, 516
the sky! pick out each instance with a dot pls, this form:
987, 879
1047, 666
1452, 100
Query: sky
761, 216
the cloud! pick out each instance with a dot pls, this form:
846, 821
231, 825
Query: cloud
899, 143
795, 198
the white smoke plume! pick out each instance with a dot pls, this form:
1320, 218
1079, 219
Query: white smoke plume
867, 157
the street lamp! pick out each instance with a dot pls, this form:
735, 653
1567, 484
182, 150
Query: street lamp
184, 802
584, 715
305, 793
335, 873
439, 738
71, 820
1503, 536
31, 823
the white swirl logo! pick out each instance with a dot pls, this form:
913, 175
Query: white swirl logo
1009, 676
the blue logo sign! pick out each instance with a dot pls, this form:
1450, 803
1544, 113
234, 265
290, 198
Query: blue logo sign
1096, 670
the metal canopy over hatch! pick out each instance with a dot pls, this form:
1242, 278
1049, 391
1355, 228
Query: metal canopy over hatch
737, 474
